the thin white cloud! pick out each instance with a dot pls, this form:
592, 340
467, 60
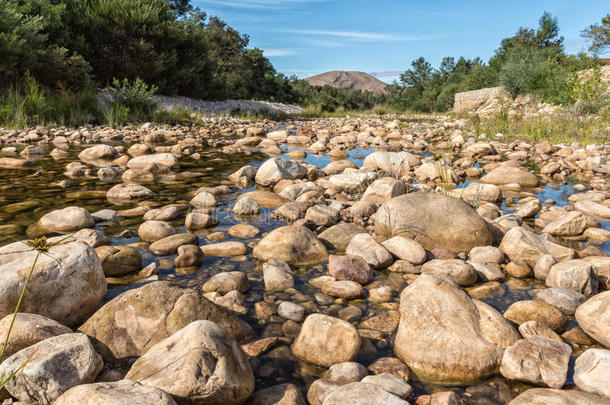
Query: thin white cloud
361, 36
278, 52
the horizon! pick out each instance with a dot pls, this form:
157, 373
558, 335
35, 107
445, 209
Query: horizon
309, 37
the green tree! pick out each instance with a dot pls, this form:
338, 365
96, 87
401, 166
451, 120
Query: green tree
598, 36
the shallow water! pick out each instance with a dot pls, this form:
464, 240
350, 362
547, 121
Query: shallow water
28, 195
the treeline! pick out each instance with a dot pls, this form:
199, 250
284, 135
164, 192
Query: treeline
56, 54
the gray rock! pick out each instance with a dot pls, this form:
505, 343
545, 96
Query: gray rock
559, 397
361, 393
457, 270
277, 275
565, 300
67, 285
537, 360
200, 363
27, 330
593, 316
67, 220
576, 275
421, 217
56, 365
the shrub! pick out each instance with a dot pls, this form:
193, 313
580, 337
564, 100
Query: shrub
115, 114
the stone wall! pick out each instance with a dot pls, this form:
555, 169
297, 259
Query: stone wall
470, 100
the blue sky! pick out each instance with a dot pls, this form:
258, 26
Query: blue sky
307, 37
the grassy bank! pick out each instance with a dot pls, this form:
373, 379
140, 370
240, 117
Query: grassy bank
564, 127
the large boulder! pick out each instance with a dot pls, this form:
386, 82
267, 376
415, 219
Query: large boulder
67, 219
511, 175
523, 245
124, 392
199, 364
52, 367
593, 317
28, 329
443, 336
276, 169
67, 284
434, 221
325, 340
138, 319
293, 244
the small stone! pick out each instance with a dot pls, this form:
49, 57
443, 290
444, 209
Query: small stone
349, 267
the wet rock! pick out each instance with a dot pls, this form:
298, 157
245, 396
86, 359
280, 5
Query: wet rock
353, 268
324, 340
537, 360
126, 193
293, 244
575, 275
136, 320
54, 366
344, 289
591, 372
98, 152
373, 253
264, 198
200, 219
555, 396
244, 231
27, 330
419, 216
246, 206
381, 294
533, 310
361, 393
124, 392
511, 175
274, 170
67, 284
452, 351
167, 213
230, 248
67, 219
338, 236
188, 256
107, 216
142, 162
200, 363
152, 231
457, 270
283, 394
292, 311
225, 282
203, 200
593, 317
119, 260
277, 275
386, 322
170, 244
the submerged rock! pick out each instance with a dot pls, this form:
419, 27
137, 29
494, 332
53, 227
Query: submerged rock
293, 244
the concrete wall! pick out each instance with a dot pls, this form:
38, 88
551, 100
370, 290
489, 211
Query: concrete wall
470, 100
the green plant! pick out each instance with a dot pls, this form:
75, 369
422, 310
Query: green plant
174, 116
137, 96
115, 114
41, 246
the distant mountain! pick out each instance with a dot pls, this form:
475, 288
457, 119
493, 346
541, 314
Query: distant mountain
349, 80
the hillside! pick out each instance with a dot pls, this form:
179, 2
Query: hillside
350, 80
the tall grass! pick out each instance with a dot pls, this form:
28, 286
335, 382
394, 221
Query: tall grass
565, 126
27, 104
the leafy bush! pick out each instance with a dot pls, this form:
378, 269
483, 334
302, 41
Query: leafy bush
136, 98
115, 114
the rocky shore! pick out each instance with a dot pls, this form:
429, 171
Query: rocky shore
327, 261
